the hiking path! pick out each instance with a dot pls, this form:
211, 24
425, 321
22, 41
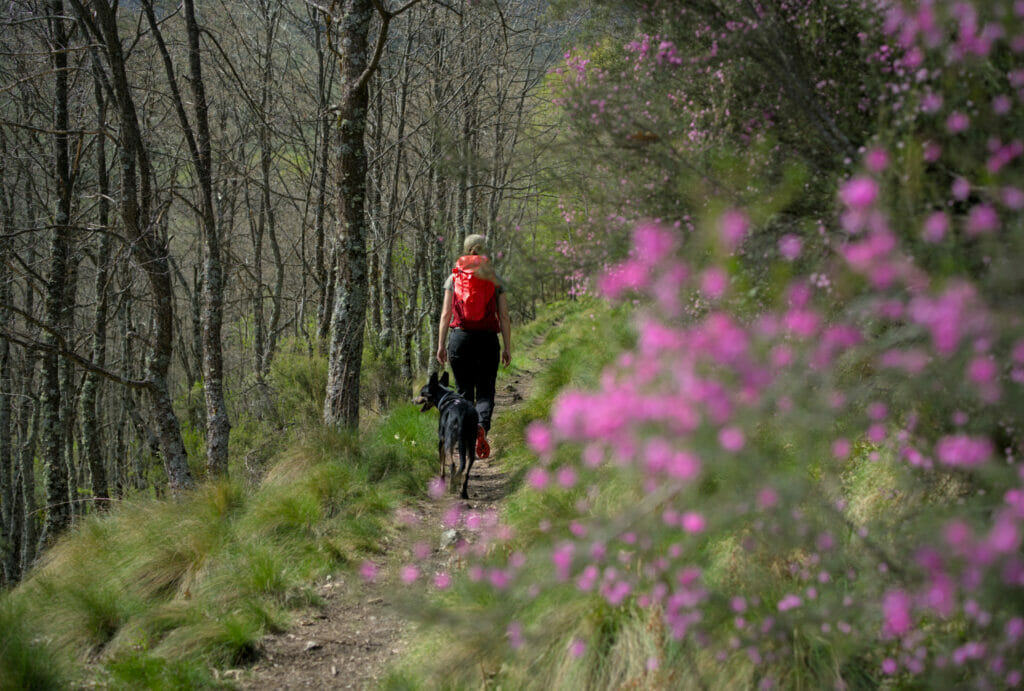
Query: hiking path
360, 631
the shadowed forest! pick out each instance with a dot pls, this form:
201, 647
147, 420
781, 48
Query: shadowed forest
762, 422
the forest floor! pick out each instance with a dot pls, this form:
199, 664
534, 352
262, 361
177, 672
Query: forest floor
362, 628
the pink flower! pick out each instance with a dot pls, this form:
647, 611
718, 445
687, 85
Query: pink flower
790, 246
537, 478
957, 122
940, 595
693, 522
566, 477
877, 411
731, 439
409, 574
982, 370
876, 159
683, 465
368, 570
1015, 629
789, 602
896, 612
767, 498
514, 632
841, 448
577, 648
539, 439
935, 227
948, 315
982, 219
960, 189
653, 241
1005, 535
931, 102
859, 192
713, 282
732, 227
876, 433
1013, 198
961, 450
958, 535
499, 578
442, 580
562, 558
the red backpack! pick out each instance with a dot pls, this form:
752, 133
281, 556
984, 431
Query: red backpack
475, 303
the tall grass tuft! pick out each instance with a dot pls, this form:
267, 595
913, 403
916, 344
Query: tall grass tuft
26, 661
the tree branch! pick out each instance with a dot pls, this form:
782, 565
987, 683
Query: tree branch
60, 348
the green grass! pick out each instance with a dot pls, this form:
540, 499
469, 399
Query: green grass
158, 593
25, 660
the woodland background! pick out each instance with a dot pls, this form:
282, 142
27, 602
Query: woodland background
170, 213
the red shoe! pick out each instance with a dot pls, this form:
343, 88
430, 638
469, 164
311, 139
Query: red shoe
483, 449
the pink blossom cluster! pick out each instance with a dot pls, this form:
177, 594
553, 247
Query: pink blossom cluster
900, 352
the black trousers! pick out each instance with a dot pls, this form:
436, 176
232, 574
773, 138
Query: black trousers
474, 356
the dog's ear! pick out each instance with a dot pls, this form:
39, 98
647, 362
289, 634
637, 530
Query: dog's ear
444, 378
433, 379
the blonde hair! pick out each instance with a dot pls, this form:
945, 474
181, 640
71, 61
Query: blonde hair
474, 244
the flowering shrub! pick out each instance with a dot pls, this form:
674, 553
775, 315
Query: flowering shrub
835, 473
706, 89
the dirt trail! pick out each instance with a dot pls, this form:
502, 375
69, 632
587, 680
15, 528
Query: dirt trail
350, 643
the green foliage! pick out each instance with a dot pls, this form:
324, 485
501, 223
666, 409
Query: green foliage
299, 380
382, 384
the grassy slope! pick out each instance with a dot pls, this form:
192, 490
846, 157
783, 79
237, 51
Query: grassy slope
160, 592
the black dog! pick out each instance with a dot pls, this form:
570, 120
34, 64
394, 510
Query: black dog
456, 428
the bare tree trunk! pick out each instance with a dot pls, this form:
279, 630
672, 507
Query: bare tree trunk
437, 268
324, 84
8, 538
218, 426
411, 321
28, 428
267, 333
341, 405
389, 331
92, 441
58, 514
30, 435
375, 210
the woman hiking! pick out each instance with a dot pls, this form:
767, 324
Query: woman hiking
475, 310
